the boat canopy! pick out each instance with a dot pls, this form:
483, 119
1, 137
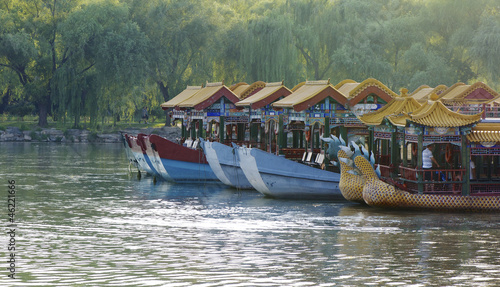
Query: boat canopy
435, 114
189, 92
311, 93
208, 96
422, 93
460, 93
396, 111
357, 93
244, 90
270, 93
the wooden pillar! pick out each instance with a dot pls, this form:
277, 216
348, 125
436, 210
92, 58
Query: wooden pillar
420, 178
394, 153
465, 153
240, 136
222, 130
183, 129
254, 132
371, 140
405, 152
281, 137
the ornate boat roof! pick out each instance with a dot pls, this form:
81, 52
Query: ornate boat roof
422, 93
182, 96
208, 96
270, 93
310, 94
395, 111
244, 90
488, 132
484, 136
356, 93
461, 93
435, 114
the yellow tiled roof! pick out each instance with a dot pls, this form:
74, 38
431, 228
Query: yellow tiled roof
239, 88
487, 127
422, 93
367, 83
484, 136
184, 95
436, 114
265, 92
298, 86
209, 90
304, 93
454, 91
251, 89
461, 93
346, 86
394, 109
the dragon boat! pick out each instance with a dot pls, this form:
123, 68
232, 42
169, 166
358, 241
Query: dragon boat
465, 155
381, 194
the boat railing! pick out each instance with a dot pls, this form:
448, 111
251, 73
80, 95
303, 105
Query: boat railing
385, 170
485, 188
434, 180
488, 110
293, 153
255, 144
383, 159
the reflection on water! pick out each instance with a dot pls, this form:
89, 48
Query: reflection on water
84, 220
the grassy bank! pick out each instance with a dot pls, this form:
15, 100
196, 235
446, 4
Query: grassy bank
31, 124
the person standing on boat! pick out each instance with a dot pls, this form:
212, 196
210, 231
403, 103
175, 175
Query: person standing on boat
427, 160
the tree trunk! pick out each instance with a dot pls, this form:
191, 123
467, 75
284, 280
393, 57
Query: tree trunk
164, 92
42, 115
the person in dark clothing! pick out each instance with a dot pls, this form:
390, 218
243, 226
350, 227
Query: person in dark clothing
145, 116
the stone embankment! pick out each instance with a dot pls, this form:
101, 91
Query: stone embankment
81, 136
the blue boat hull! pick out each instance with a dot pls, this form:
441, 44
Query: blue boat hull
183, 171
278, 177
224, 163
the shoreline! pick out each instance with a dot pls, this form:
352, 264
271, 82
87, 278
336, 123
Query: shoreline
14, 134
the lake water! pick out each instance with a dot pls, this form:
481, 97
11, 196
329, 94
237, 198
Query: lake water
82, 219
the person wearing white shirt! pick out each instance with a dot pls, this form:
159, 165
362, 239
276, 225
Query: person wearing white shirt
427, 160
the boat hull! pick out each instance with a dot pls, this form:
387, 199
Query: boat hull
182, 164
278, 177
224, 163
139, 156
147, 151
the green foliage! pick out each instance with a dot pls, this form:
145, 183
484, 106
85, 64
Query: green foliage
101, 61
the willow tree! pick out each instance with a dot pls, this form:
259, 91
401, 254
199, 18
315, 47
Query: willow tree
486, 46
102, 57
268, 51
30, 47
178, 32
